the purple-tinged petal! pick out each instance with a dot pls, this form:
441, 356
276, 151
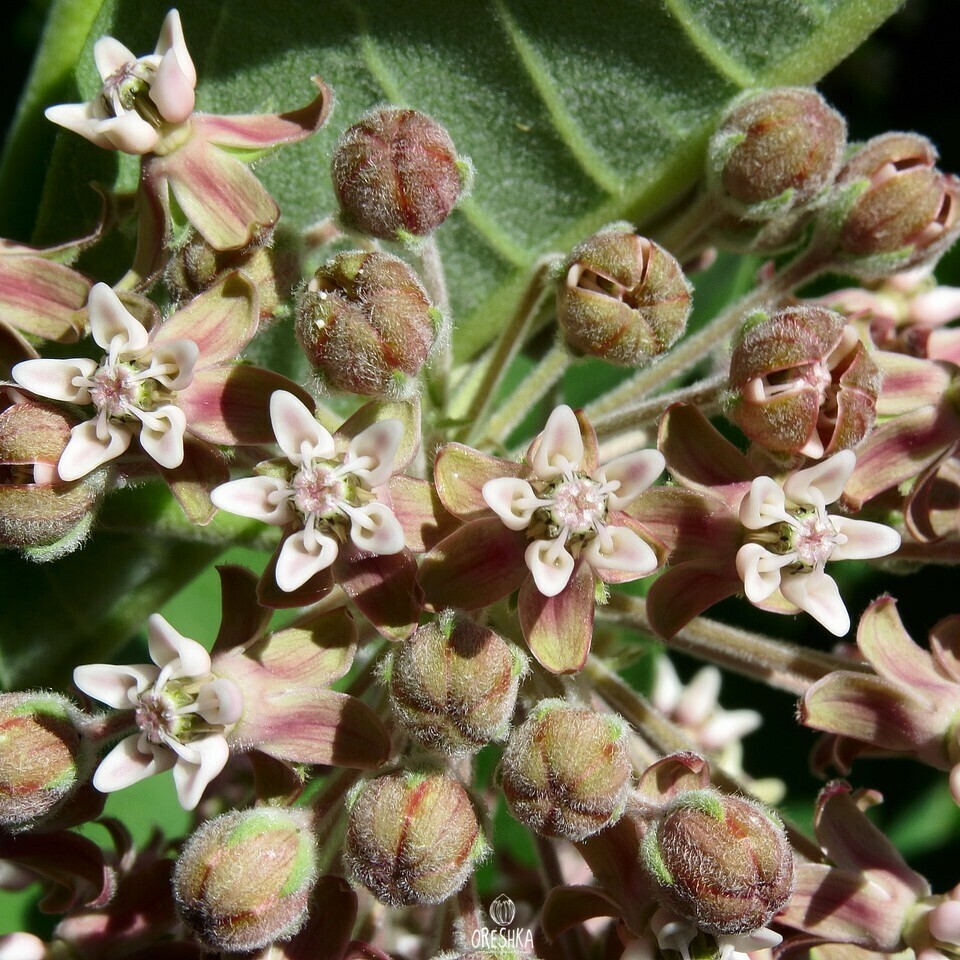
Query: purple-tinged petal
194, 480
618, 554
125, 764
945, 647
550, 564
817, 593
221, 321
153, 225
269, 594
763, 504
375, 529
865, 540
329, 927
371, 453
460, 473
369, 416
635, 472
129, 133
417, 507
262, 131
81, 118
56, 379
230, 405
671, 776
110, 55
260, 498
220, 701
559, 629
112, 326
192, 777
513, 500
116, 686
41, 297
85, 451
171, 649
171, 39
478, 564
298, 433
298, 561
760, 571
685, 591
172, 90
566, 907
161, 435
560, 448
384, 588
222, 199
822, 483
909, 383
241, 618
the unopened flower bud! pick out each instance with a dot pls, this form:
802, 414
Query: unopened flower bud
39, 512
774, 151
803, 382
366, 324
244, 879
43, 756
397, 172
453, 684
723, 863
412, 838
622, 298
901, 211
565, 772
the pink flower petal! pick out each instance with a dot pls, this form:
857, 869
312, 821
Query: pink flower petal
85, 451
110, 55
22, 946
760, 571
865, 540
300, 436
129, 133
763, 504
550, 564
297, 563
822, 483
618, 554
161, 435
112, 326
635, 472
116, 686
372, 452
513, 500
172, 90
126, 764
55, 378
41, 297
170, 649
375, 529
683, 592
171, 38
192, 778
80, 118
560, 450
460, 473
817, 594
260, 498
417, 506
203, 468
945, 646
220, 701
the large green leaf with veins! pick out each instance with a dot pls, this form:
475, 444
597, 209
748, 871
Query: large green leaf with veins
574, 116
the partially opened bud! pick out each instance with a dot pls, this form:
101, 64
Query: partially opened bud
43, 756
244, 879
397, 172
622, 298
774, 151
721, 862
366, 324
412, 838
453, 684
565, 772
902, 211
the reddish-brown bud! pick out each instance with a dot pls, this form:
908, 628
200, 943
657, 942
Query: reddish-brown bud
898, 209
366, 324
622, 298
721, 862
802, 381
412, 838
565, 772
43, 756
775, 151
397, 172
453, 684
244, 879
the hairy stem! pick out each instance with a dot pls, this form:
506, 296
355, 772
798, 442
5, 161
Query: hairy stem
435, 279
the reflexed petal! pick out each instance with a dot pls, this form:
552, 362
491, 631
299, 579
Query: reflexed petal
550, 566
822, 483
168, 647
116, 686
561, 445
296, 563
817, 594
760, 571
172, 90
260, 498
460, 473
417, 506
125, 764
620, 550
85, 451
384, 538
130, 133
41, 297
161, 435
192, 779
110, 55
296, 429
682, 592
764, 504
55, 378
635, 472
374, 451
110, 320
81, 118
864, 539
513, 500
182, 356
171, 38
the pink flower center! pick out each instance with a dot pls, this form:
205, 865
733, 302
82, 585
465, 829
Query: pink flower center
579, 505
319, 491
814, 539
114, 389
127, 89
155, 717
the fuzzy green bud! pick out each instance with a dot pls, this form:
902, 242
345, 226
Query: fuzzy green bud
565, 772
396, 172
622, 298
366, 324
43, 756
412, 838
453, 684
723, 863
244, 879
